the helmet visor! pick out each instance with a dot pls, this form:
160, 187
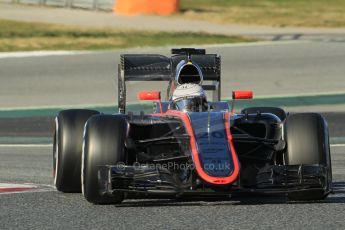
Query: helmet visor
195, 104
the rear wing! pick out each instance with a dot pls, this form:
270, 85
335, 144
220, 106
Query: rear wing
153, 67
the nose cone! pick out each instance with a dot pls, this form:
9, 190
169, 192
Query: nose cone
188, 73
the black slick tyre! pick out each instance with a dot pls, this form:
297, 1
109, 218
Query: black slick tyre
104, 144
67, 148
307, 138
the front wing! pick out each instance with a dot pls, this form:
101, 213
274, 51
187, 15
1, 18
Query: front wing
271, 180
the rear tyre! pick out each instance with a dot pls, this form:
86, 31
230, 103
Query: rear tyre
104, 144
274, 110
67, 148
307, 140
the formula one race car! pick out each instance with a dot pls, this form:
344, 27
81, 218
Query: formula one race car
191, 145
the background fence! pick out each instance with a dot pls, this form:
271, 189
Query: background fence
106, 5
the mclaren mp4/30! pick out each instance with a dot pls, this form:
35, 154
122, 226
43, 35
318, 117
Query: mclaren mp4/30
191, 145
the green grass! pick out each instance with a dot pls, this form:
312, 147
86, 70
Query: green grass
19, 36
308, 13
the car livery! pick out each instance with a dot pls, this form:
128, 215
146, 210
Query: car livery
191, 145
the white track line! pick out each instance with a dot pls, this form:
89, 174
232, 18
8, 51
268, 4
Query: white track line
25, 54
337, 145
11, 185
39, 54
248, 44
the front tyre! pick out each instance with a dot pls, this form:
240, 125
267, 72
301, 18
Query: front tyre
67, 148
104, 144
307, 139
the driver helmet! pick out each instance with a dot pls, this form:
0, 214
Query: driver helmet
189, 97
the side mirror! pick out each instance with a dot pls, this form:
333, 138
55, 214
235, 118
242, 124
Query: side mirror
242, 94
149, 95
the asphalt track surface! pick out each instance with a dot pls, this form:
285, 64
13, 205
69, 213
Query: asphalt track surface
273, 68
269, 69
54, 210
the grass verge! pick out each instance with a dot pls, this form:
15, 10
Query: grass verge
20, 36
281, 13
